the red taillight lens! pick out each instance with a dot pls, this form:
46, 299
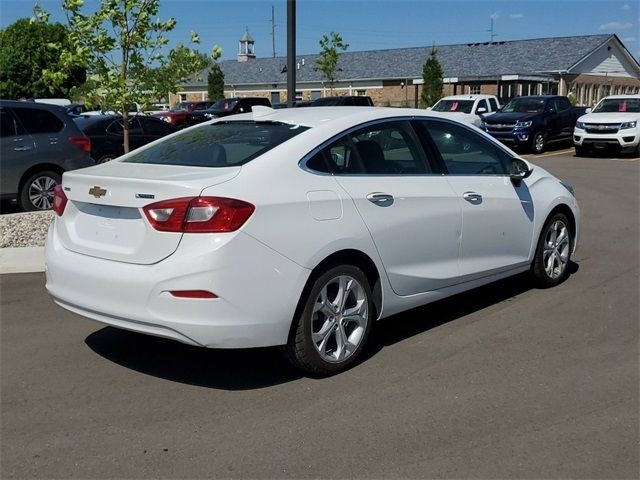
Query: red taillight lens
83, 142
198, 214
59, 200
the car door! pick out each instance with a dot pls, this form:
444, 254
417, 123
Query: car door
554, 120
412, 214
497, 215
17, 151
137, 136
566, 117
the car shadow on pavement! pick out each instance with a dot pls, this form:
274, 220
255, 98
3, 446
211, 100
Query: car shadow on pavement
253, 368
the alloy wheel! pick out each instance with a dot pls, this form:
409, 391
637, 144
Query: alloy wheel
339, 318
41, 192
556, 249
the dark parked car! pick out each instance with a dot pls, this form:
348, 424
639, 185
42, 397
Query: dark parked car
107, 133
533, 121
225, 107
345, 101
38, 143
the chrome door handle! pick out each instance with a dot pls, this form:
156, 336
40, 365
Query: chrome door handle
22, 148
472, 197
380, 199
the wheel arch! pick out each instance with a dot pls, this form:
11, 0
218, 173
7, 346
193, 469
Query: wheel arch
567, 212
353, 257
41, 167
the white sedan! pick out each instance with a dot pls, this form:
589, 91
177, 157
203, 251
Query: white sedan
301, 228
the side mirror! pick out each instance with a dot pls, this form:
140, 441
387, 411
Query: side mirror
481, 110
588, 110
520, 170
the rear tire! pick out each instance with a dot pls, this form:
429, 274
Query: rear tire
37, 191
106, 158
553, 252
334, 323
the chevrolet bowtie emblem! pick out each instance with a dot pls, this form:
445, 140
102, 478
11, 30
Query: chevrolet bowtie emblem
97, 191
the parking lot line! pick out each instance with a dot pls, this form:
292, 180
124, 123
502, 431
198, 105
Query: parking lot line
552, 154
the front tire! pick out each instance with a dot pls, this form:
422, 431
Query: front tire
581, 152
553, 252
37, 191
538, 143
334, 324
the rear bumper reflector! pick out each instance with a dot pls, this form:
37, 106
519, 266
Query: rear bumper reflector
193, 294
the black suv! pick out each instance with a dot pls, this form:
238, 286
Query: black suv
38, 143
225, 107
345, 101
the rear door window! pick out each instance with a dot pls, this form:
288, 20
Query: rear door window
224, 144
8, 126
36, 120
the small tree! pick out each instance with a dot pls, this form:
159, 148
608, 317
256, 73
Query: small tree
27, 48
327, 63
432, 77
215, 81
122, 44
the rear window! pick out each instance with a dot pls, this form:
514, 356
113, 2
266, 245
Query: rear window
227, 144
37, 121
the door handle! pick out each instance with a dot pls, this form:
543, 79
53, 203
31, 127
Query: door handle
22, 148
380, 199
472, 197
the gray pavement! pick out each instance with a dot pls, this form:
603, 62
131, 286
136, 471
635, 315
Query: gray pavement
505, 381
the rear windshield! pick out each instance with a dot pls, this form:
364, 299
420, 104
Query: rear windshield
227, 144
463, 106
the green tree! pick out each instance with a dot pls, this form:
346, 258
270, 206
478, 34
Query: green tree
432, 77
123, 45
27, 48
215, 81
327, 62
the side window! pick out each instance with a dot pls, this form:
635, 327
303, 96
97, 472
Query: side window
464, 152
134, 126
7, 124
115, 128
37, 121
482, 104
155, 127
318, 163
563, 104
494, 105
389, 149
342, 157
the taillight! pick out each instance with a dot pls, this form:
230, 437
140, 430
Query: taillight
83, 142
59, 200
198, 214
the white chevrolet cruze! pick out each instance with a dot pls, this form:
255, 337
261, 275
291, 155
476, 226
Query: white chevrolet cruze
301, 227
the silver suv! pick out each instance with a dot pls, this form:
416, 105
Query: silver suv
38, 143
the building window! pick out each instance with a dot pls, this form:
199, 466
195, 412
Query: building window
316, 94
361, 93
298, 96
183, 97
275, 98
474, 89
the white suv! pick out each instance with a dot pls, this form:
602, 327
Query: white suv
467, 108
613, 123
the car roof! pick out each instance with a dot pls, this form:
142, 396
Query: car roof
313, 117
32, 104
622, 96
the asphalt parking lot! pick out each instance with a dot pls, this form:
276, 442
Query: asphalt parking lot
505, 381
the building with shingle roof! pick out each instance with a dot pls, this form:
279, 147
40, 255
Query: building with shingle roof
589, 66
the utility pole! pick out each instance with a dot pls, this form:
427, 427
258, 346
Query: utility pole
273, 32
291, 53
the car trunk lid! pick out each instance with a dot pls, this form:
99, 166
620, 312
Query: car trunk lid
104, 217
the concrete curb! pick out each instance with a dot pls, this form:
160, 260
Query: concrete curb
21, 260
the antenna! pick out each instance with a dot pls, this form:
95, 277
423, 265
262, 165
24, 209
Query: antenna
493, 35
273, 32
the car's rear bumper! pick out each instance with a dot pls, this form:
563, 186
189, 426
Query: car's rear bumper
258, 290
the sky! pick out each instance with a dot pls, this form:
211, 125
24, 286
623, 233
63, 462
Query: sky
377, 24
